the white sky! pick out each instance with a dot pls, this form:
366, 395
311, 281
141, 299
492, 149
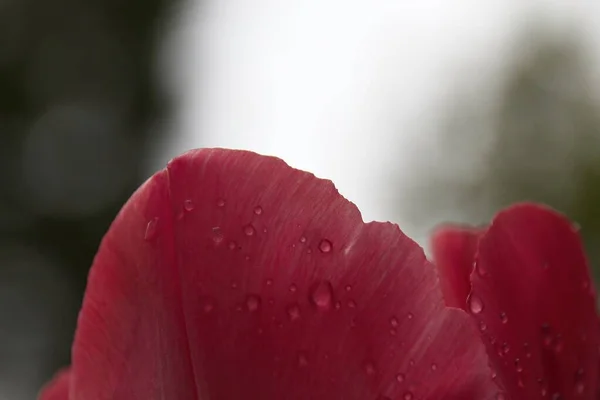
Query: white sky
346, 89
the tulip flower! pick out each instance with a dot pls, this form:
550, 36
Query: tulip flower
231, 275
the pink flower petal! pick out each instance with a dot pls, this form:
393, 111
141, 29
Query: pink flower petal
233, 276
533, 298
454, 251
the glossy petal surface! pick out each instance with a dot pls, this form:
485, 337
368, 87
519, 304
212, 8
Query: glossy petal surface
231, 275
534, 299
454, 251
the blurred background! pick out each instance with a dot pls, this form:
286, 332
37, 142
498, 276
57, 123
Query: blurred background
420, 112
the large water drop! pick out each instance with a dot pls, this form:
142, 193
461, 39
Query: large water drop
325, 246
475, 304
322, 295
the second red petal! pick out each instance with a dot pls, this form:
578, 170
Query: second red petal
454, 250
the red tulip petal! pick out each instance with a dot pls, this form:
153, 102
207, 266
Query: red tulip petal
58, 388
130, 342
268, 281
290, 293
535, 301
454, 255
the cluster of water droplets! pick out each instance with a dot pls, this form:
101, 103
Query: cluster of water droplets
321, 297
550, 342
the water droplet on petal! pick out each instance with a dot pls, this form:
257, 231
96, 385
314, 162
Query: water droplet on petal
302, 239
293, 288
322, 295
482, 326
527, 350
217, 235
520, 382
302, 359
348, 288
220, 203
475, 304
151, 229
503, 318
500, 396
400, 378
547, 336
258, 210
370, 368
394, 322
269, 282
252, 302
188, 205
558, 344
480, 269
293, 312
249, 230
351, 304
408, 396
410, 316
325, 246
518, 365
207, 305
434, 367
232, 245
545, 265
579, 382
